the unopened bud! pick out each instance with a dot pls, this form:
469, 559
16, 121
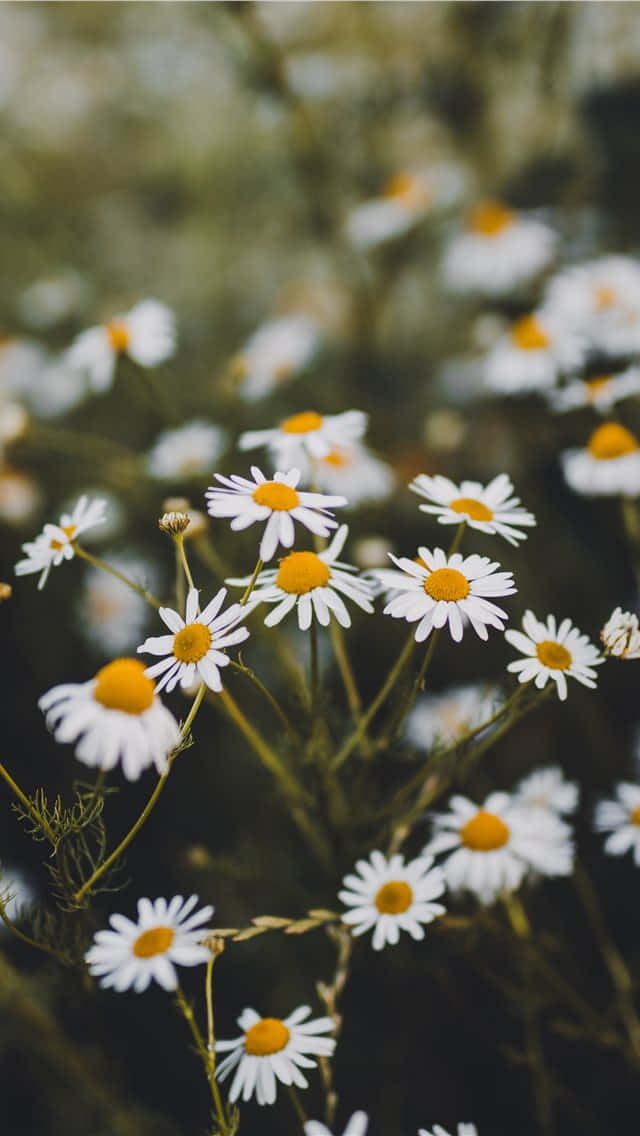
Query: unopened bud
173, 523
621, 635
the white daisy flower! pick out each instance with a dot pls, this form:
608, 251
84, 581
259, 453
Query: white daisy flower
276, 352
621, 635
499, 250
462, 1130
195, 649
553, 652
353, 470
356, 1126
117, 716
493, 847
146, 334
391, 897
166, 935
440, 589
55, 542
408, 197
271, 1050
547, 789
491, 508
56, 389
441, 719
278, 502
601, 392
608, 465
601, 300
307, 435
314, 583
532, 355
111, 616
622, 819
187, 451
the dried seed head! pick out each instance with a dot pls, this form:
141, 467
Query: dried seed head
173, 523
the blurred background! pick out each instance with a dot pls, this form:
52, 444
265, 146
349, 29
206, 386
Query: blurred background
214, 156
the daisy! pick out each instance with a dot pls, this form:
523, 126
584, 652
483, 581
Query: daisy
608, 465
353, 470
493, 847
313, 583
271, 1050
111, 616
441, 719
276, 352
491, 509
499, 250
117, 716
532, 355
278, 502
356, 1126
408, 197
146, 334
621, 635
195, 648
133, 954
440, 589
392, 897
55, 542
547, 789
601, 392
553, 652
622, 819
462, 1130
601, 300
187, 451
307, 435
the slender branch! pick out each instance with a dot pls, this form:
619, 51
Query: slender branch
313, 665
179, 539
27, 938
203, 1052
344, 666
242, 668
31, 809
252, 582
406, 706
98, 563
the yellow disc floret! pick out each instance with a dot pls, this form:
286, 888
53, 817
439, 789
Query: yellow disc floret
394, 897
605, 298
123, 685
490, 218
69, 531
553, 655
446, 584
484, 832
474, 509
118, 335
301, 572
155, 941
267, 1036
275, 495
635, 815
611, 440
597, 384
192, 643
527, 334
302, 423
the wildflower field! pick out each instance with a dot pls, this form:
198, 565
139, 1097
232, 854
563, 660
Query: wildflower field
320, 562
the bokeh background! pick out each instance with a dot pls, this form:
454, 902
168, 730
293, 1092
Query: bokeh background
208, 155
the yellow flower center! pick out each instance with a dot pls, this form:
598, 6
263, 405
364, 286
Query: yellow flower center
528, 335
123, 685
553, 655
267, 1036
484, 832
276, 496
118, 335
155, 941
605, 298
490, 218
300, 572
302, 423
635, 815
446, 584
394, 898
336, 458
611, 440
597, 384
192, 643
69, 531
474, 509
408, 189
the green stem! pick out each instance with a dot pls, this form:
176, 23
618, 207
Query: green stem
203, 1053
313, 665
265, 752
392, 731
146, 812
27, 938
98, 563
297, 1104
179, 539
271, 699
252, 582
345, 668
31, 809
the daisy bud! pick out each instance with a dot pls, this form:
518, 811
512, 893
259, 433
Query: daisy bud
621, 635
173, 523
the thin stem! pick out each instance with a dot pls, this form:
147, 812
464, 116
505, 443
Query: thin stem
147, 810
98, 563
31, 809
396, 722
252, 582
203, 1052
27, 938
297, 1104
344, 666
180, 591
614, 962
179, 539
211, 1040
457, 540
271, 698
313, 664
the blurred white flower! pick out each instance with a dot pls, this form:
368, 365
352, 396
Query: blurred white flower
20, 496
307, 435
146, 334
608, 465
276, 352
620, 635
55, 542
356, 1126
547, 789
187, 451
601, 301
19, 894
601, 392
408, 197
353, 470
56, 388
499, 250
532, 355
462, 1130
51, 299
621, 818
111, 616
441, 719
